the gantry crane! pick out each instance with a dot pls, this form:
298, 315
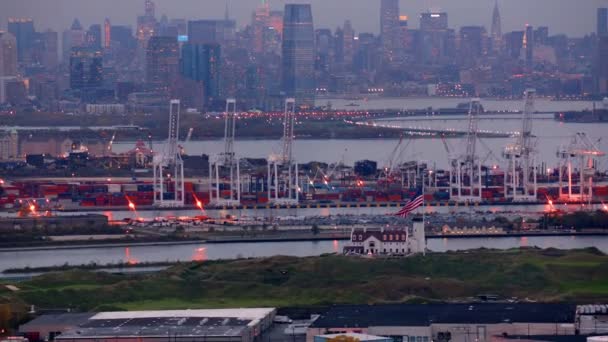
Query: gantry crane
283, 183
465, 170
520, 184
168, 167
581, 148
224, 171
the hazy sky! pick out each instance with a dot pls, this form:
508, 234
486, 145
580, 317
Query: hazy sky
573, 17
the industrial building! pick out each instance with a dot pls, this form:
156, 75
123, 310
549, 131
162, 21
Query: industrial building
354, 336
447, 322
216, 325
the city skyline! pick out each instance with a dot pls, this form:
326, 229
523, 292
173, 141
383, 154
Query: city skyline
515, 13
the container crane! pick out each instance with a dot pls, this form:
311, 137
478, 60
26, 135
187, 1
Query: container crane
465, 170
520, 184
283, 183
581, 148
226, 165
168, 166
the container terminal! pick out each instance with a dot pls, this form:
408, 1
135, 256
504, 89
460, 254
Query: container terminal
232, 181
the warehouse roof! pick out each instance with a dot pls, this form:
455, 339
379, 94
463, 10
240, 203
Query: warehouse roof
61, 319
178, 323
252, 314
427, 314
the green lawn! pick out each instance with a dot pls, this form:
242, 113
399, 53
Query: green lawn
544, 275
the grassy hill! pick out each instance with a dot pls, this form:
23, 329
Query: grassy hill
544, 275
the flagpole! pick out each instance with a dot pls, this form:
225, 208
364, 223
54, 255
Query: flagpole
423, 204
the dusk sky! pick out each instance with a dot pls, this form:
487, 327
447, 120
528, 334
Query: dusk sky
573, 17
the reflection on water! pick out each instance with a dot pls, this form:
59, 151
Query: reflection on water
188, 252
128, 259
200, 254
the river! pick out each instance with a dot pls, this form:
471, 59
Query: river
409, 103
550, 134
201, 252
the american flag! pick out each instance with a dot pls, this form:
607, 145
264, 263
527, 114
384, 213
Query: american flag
410, 206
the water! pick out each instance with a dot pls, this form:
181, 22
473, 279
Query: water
201, 252
541, 104
550, 135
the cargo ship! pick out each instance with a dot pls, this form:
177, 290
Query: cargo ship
595, 115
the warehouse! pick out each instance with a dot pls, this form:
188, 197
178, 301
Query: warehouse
221, 325
447, 322
46, 327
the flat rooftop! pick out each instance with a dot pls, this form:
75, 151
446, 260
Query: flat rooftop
427, 314
61, 319
176, 323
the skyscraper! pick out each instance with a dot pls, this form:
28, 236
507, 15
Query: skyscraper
433, 21
602, 21
8, 54
107, 33
50, 57
528, 46
348, 44
23, 30
75, 37
496, 31
86, 68
93, 37
298, 76
261, 18
602, 65
162, 64
202, 63
472, 45
389, 28
146, 24
206, 31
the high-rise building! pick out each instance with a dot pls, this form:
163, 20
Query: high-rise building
434, 41
121, 35
602, 65
324, 51
75, 37
433, 21
86, 68
206, 31
496, 31
93, 37
23, 30
514, 43
298, 77
602, 21
162, 64
146, 24
261, 18
348, 48
389, 28
472, 45
107, 33
50, 57
8, 54
541, 35
528, 46
202, 63
405, 37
